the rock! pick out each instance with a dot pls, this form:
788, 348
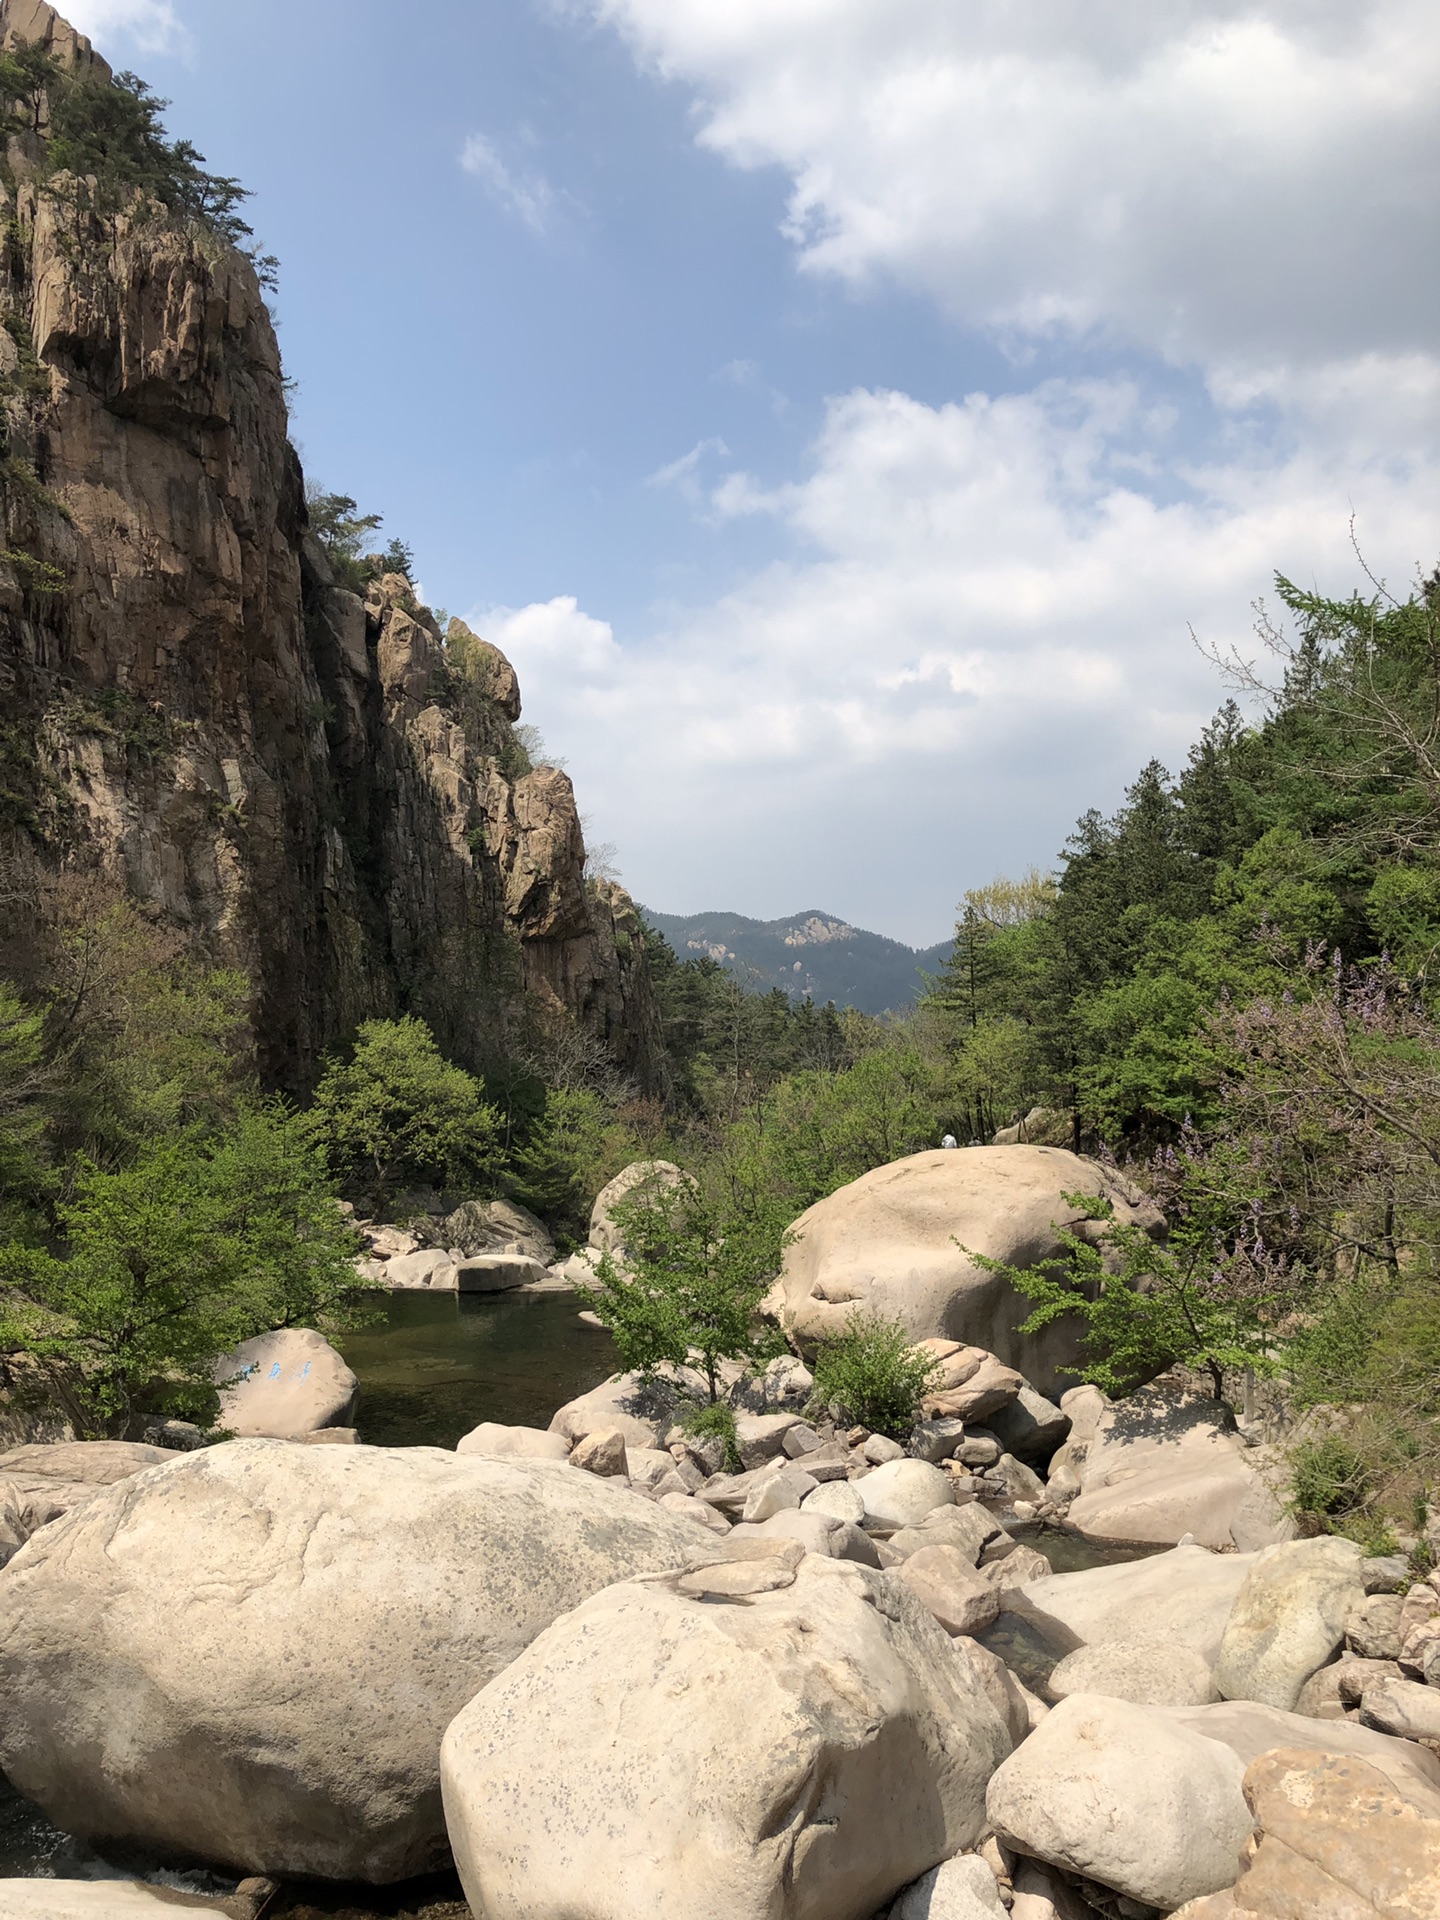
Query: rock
736, 1580
641, 1176
970, 1528
1288, 1619
331, 1437
1160, 1466
1250, 1730
1149, 1673
1373, 1628
828, 1462
979, 1450
601, 1453
788, 1384
495, 1442
1403, 1707
386, 1242
1352, 1676
774, 1494
280, 1634
962, 1888
1030, 1426
1185, 1595
990, 1386
689, 1508
497, 1226
902, 1492
879, 1448
935, 1440
832, 1747
1015, 1479
1018, 1569
800, 1440
838, 1498
1042, 1895
947, 1584
1385, 1573
1116, 1793
497, 1273
432, 1268
1338, 1841
817, 1532
282, 1385
649, 1466
90, 1464
761, 1436
107, 1900
642, 1409
893, 1242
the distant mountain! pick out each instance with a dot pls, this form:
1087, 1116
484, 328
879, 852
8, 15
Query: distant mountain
810, 953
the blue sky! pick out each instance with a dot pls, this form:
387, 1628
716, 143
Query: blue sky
842, 410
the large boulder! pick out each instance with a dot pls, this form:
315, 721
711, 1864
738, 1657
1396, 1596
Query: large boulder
1288, 1619
1249, 1730
497, 1226
40, 1481
642, 1408
1185, 1596
1161, 1466
281, 1386
1118, 1793
894, 1243
249, 1656
805, 1748
640, 1178
110, 1900
1337, 1841
492, 1441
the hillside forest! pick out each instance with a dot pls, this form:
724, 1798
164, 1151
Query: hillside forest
1229, 986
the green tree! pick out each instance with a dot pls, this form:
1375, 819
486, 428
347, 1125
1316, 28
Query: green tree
25, 1088
170, 1261
873, 1374
689, 1292
397, 1112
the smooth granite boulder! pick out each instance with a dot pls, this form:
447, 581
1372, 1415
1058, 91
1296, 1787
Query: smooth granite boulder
284, 1385
249, 1656
895, 1241
753, 1742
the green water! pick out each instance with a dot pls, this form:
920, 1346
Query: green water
437, 1364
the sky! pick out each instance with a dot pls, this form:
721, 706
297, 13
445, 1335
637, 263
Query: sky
856, 419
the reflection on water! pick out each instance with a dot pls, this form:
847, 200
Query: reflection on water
436, 1364
1072, 1553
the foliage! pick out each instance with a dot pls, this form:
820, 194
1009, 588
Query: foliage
715, 1420
25, 1087
112, 133
873, 1375
342, 530
397, 1112
1212, 1296
577, 1144
196, 1244
690, 1289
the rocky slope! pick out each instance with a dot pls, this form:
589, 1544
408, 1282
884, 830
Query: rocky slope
307, 780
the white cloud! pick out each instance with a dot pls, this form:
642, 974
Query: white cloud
552, 637
993, 635
527, 195
150, 25
1230, 183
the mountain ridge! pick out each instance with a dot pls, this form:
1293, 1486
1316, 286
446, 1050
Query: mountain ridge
811, 954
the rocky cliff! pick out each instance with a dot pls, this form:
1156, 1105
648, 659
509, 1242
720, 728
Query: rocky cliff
324, 789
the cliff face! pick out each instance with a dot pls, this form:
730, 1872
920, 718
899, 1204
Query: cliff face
323, 789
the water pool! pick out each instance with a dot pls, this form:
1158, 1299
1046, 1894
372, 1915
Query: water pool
434, 1365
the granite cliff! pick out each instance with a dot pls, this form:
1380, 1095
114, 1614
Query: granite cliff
321, 787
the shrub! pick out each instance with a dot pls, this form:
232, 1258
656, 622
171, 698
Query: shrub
873, 1375
715, 1420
